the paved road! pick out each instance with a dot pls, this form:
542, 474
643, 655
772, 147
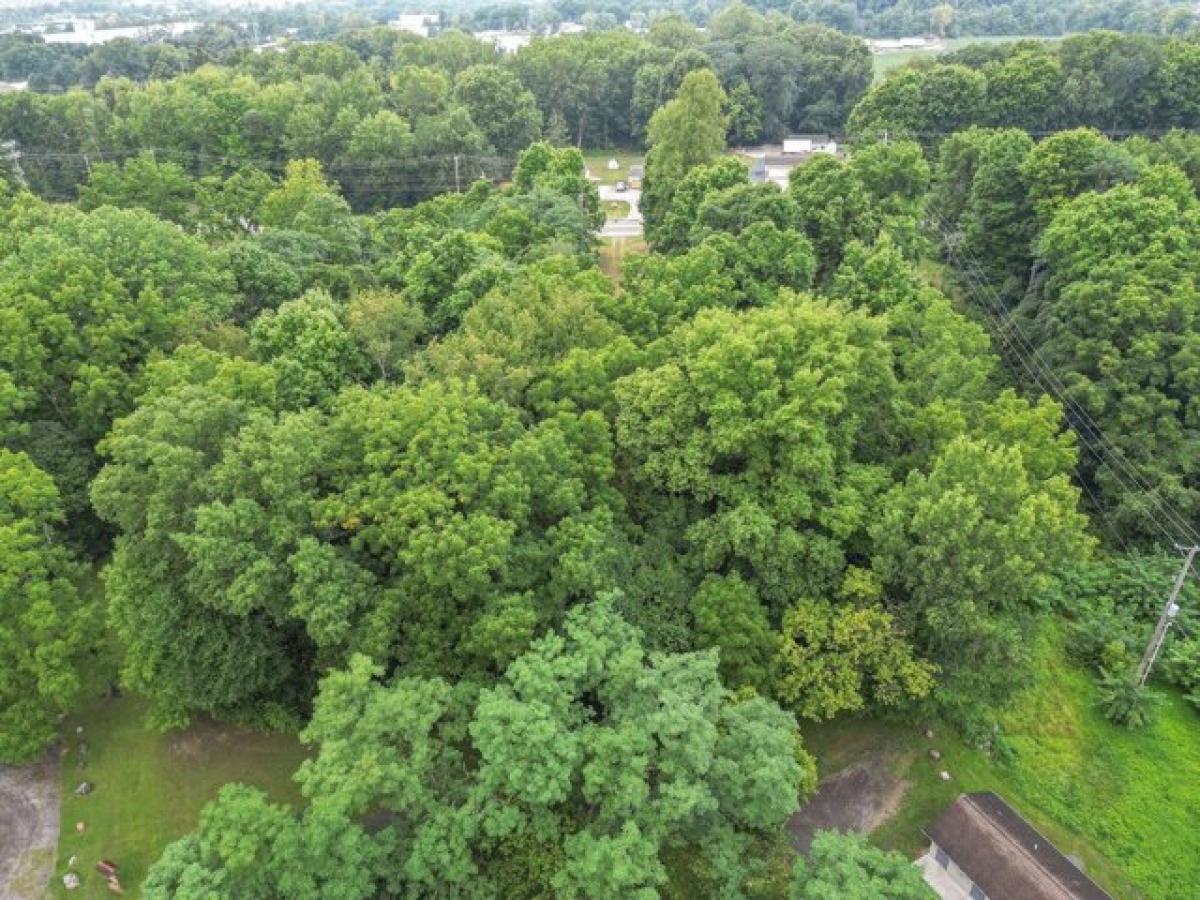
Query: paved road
28, 829
622, 228
631, 225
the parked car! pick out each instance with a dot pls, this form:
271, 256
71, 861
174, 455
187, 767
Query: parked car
622, 186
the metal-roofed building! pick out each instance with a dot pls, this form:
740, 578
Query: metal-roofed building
981, 849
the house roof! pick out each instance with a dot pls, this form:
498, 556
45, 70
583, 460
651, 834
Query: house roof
1005, 855
815, 138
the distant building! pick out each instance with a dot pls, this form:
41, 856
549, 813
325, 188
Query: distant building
776, 165
9, 87
895, 45
981, 849
636, 174
84, 31
507, 42
415, 23
809, 143
571, 28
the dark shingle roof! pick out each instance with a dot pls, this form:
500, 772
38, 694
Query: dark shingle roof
1005, 855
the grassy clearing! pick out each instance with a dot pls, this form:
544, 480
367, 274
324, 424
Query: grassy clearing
613, 252
597, 163
149, 787
1127, 803
616, 209
886, 62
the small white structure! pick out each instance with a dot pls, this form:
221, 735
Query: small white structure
9, 87
809, 143
571, 28
613, 165
415, 23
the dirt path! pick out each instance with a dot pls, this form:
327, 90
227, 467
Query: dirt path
29, 798
858, 798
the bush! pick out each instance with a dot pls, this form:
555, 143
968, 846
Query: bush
1126, 703
1181, 667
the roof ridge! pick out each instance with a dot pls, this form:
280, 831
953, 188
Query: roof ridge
1008, 837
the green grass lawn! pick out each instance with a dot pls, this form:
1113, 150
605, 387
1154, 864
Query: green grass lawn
886, 62
597, 163
1127, 803
150, 787
616, 209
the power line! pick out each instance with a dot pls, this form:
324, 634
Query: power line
1045, 378
1009, 331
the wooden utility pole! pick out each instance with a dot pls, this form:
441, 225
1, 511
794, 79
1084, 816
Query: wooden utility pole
1167, 618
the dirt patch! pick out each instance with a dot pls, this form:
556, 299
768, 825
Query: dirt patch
29, 799
858, 798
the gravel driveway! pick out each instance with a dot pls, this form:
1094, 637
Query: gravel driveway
858, 798
29, 799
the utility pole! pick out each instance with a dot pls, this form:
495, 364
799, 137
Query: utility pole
457, 186
1167, 618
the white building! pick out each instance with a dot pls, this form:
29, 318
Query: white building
415, 23
776, 165
507, 42
981, 849
809, 143
84, 31
895, 45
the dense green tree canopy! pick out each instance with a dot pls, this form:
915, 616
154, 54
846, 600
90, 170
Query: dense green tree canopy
45, 622
575, 773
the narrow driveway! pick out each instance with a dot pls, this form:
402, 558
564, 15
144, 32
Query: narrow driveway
630, 225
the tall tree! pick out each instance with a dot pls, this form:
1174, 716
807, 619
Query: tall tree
577, 773
846, 867
686, 132
45, 622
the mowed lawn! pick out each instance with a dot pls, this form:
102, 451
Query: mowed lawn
616, 209
1127, 803
149, 787
886, 62
597, 163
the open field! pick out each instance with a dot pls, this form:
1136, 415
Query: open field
149, 787
1126, 803
597, 163
886, 62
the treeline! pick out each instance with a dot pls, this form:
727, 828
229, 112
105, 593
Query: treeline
387, 113
55, 68
1102, 79
895, 18
971, 18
